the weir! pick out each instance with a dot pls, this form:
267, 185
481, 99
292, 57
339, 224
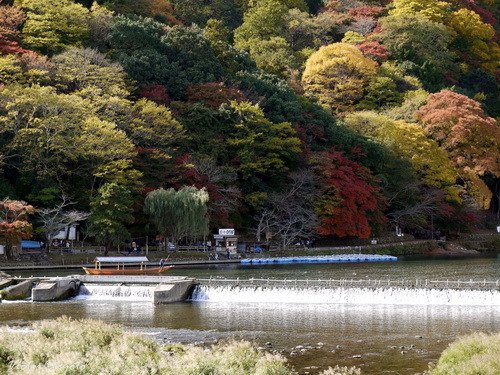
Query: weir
359, 283
168, 289
310, 294
157, 289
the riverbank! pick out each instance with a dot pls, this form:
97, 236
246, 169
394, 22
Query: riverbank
420, 248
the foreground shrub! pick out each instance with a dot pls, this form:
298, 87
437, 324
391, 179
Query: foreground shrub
87, 347
477, 354
342, 371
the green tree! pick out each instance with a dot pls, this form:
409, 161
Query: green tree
111, 211
260, 23
53, 25
40, 125
220, 38
105, 153
176, 59
88, 73
306, 31
100, 22
230, 12
337, 74
153, 126
273, 55
178, 214
380, 92
475, 39
261, 146
420, 46
413, 100
11, 70
263, 151
191, 52
58, 137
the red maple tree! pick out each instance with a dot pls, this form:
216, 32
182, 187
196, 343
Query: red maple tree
351, 202
14, 224
213, 94
155, 93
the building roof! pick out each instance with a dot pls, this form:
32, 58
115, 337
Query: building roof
121, 259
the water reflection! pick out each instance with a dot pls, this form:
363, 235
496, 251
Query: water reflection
378, 333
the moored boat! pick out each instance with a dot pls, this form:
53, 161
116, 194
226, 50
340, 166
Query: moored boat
124, 266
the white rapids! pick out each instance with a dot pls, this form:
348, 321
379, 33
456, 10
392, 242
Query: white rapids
345, 295
116, 292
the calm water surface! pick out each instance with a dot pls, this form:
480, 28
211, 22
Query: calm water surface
391, 339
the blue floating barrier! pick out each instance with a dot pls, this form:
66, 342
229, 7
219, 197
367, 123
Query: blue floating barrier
342, 258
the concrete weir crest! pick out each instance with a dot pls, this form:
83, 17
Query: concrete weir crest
168, 289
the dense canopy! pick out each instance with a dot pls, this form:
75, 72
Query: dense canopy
104, 102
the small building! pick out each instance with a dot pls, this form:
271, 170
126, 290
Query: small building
226, 241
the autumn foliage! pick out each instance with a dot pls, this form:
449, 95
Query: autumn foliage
11, 19
471, 138
461, 127
374, 50
14, 224
213, 94
155, 93
237, 96
351, 201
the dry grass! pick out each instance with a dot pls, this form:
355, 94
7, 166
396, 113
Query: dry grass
88, 347
476, 354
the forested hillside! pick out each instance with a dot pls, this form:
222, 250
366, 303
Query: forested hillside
340, 118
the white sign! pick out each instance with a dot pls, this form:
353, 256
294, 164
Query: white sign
66, 233
226, 232
218, 237
2, 249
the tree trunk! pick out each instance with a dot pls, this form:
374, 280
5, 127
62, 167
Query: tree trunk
106, 249
8, 250
48, 244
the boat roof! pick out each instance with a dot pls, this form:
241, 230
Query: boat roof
121, 259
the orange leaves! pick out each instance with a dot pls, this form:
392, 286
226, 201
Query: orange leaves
460, 126
14, 223
472, 139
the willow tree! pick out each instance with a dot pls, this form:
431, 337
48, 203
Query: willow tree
179, 214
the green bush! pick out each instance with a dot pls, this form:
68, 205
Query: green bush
476, 354
406, 249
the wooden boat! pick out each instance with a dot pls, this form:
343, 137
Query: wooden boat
124, 266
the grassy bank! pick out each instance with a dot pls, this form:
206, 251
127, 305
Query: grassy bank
88, 347
477, 354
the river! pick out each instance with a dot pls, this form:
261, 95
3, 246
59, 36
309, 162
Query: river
387, 331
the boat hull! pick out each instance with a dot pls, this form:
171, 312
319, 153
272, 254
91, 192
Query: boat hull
127, 271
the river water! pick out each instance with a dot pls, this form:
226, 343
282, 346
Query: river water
383, 331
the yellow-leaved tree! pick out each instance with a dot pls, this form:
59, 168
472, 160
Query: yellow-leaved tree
430, 163
337, 75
